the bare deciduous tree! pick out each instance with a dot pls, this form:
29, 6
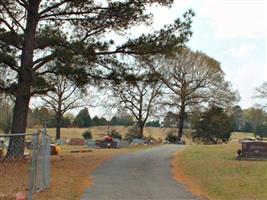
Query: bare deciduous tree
139, 99
66, 96
261, 92
193, 78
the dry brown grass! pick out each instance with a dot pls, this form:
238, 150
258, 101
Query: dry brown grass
99, 131
13, 177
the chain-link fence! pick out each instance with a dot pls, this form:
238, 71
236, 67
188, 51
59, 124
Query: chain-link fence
24, 164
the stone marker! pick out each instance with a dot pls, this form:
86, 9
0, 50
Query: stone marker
254, 150
106, 144
60, 142
138, 141
76, 141
91, 143
123, 144
116, 140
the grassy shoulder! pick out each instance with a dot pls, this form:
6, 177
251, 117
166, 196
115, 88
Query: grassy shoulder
70, 173
212, 171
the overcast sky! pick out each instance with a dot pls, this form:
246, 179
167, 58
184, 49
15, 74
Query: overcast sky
234, 33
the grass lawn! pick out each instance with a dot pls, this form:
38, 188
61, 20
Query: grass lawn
212, 171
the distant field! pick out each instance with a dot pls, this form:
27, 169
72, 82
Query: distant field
100, 131
240, 135
214, 170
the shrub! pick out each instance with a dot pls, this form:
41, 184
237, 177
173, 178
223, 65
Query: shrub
87, 135
214, 127
115, 134
132, 133
172, 137
261, 130
153, 123
148, 138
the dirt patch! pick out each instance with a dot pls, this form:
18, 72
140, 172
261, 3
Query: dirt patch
181, 177
13, 177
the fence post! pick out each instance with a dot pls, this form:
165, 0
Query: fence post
33, 165
45, 158
48, 153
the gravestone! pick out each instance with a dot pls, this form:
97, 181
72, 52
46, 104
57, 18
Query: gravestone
138, 141
76, 141
91, 143
106, 144
123, 144
60, 142
254, 150
116, 140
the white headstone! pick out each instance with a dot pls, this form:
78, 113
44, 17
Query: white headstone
123, 144
91, 143
138, 141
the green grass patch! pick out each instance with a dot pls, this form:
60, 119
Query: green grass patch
217, 172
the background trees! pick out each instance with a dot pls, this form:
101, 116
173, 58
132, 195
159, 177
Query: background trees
83, 119
261, 130
154, 123
96, 121
236, 114
261, 92
170, 119
122, 118
254, 116
5, 113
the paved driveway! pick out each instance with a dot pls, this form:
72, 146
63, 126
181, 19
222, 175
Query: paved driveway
142, 175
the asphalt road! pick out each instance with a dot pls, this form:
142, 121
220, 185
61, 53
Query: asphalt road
142, 175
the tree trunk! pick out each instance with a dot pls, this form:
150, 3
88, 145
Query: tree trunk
58, 126
19, 123
141, 131
25, 80
181, 122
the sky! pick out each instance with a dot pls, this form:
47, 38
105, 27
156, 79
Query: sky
231, 31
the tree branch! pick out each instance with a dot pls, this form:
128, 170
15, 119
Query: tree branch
11, 16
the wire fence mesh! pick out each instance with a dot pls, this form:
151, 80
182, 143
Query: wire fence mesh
24, 163
43, 163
